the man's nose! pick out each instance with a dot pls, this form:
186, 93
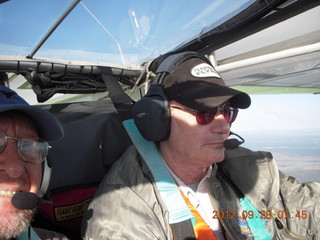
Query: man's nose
220, 123
10, 161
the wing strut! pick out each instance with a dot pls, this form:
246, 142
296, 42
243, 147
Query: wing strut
53, 28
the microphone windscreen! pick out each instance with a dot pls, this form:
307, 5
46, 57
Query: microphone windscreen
25, 200
231, 143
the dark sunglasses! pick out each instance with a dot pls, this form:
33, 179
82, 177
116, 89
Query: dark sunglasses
204, 117
31, 149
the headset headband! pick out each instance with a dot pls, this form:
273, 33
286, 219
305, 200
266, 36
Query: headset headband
171, 62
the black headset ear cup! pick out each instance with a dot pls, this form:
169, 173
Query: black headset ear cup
151, 114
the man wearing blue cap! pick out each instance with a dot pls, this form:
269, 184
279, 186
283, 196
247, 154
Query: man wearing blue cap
24, 132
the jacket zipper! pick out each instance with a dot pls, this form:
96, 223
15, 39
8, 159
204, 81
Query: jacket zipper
220, 220
280, 226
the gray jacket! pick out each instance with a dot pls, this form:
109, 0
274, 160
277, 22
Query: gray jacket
128, 205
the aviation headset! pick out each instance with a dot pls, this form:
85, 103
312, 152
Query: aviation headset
46, 176
151, 113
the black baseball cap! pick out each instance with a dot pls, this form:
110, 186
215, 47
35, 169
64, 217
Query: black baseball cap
196, 84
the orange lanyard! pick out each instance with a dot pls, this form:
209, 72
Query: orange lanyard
201, 229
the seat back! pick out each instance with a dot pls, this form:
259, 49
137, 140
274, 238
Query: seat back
94, 139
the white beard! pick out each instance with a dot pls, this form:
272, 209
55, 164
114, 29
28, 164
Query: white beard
14, 223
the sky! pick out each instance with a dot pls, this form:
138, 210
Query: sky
280, 112
100, 30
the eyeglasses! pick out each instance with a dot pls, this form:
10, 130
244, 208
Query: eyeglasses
31, 149
204, 117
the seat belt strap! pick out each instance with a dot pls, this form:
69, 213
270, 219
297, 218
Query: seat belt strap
122, 102
29, 234
256, 225
170, 193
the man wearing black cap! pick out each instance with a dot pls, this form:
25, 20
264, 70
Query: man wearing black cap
178, 181
24, 132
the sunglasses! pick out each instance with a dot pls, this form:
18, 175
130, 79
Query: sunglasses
31, 149
204, 117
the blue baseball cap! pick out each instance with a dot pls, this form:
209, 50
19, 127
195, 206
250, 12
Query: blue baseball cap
49, 127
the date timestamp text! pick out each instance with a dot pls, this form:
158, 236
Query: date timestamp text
262, 214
